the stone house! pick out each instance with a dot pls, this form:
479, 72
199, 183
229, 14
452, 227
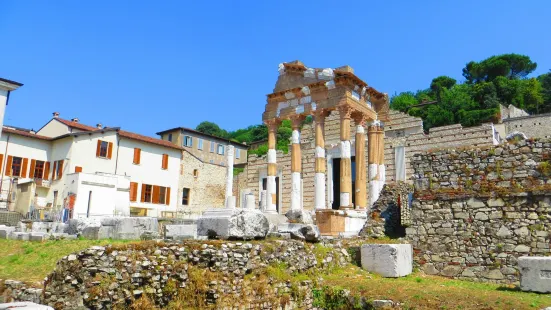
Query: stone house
205, 147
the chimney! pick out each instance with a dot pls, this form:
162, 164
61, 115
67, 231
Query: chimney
56, 114
74, 120
99, 125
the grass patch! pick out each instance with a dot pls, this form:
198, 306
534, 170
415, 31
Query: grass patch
418, 291
32, 261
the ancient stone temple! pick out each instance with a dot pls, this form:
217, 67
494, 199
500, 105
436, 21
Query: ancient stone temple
301, 91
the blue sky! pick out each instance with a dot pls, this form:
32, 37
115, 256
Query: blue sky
152, 65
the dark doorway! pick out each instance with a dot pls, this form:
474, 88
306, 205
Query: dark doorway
337, 182
265, 185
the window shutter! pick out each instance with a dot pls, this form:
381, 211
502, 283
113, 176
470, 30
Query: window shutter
8, 165
139, 156
156, 192
133, 191
98, 148
142, 199
110, 150
46, 175
60, 169
31, 172
54, 173
1, 161
24, 167
165, 161
137, 153
167, 196
78, 169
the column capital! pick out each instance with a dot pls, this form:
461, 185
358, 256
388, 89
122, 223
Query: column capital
345, 111
320, 115
296, 121
273, 124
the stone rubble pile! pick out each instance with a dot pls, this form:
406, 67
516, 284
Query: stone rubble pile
100, 277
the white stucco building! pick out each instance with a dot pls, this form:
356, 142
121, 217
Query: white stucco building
75, 170
6, 86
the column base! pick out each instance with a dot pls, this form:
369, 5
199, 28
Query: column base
343, 223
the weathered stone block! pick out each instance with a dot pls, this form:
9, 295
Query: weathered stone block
18, 235
307, 232
5, 231
182, 231
38, 236
535, 274
24, 305
233, 224
299, 216
388, 260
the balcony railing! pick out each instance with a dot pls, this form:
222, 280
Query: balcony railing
42, 182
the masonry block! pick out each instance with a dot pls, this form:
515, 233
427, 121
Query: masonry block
388, 260
182, 231
38, 236
535, 274
5, 231
18, 235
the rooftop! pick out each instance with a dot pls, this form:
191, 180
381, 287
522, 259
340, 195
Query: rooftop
202, 134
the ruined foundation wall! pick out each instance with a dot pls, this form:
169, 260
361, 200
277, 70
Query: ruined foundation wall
476, 211
533, 126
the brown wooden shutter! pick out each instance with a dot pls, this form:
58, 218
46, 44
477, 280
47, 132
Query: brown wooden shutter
8, 165
1, 161
24, 167
98, 149
78, 169
60, 169
31, 172
156, 192
165, 161
143, 193
167, 196
137, 156
46, 175
133, 191
110, 150
54, 172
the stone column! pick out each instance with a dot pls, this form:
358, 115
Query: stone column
296, 164
373, 136
360, 194
230, 199
346, 164
319, 178
271, 191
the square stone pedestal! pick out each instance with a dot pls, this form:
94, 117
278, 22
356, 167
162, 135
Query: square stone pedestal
388, 260
344, 223
233, 224
535, 273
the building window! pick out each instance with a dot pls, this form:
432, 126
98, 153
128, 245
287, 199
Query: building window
16, 166
170, 137
212, 147
58, 170
162, 195
200, 144
137, 156
38, 171
195, 172
220, 149
237, 153
164, 164
185, 196
188, 141
104, 149
147, 192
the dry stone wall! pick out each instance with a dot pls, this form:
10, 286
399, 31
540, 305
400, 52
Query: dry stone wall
198, 275
477, 210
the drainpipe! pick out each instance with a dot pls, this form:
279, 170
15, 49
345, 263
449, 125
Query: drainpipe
118, 147
8, 97
5, 159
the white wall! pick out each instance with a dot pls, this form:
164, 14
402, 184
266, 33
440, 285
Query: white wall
54, 128
109, 194
150, 171
3, 101
83, 153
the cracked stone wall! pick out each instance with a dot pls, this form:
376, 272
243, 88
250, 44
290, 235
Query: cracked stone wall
476, 211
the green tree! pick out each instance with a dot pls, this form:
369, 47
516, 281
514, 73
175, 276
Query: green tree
403, 101
512, 66
440, 83
211, 128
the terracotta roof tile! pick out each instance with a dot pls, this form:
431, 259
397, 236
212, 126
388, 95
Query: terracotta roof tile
135, 136
76, 125
25, 133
